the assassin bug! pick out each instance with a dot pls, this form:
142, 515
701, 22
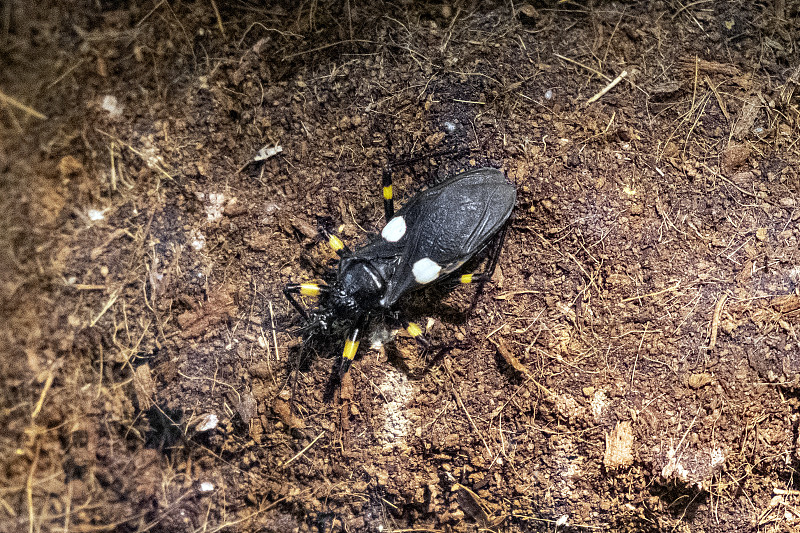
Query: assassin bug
435, 233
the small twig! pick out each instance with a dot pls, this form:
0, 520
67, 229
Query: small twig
147, 160
694, 85
720, 101
638, 350
607, 88
226, 525
106, 307
304, 450
214, 381
590, 69
29, 487
728, 181
8, 509
48, 382
517, 365
662, 291
68, 510
19, 105
274, 335
715, 320
219, 19
65, 74
159, 4
329, 45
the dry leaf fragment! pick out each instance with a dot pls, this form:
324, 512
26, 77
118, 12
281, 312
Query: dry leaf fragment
619, 446
788, 305
510, 358
697, 381
471, 504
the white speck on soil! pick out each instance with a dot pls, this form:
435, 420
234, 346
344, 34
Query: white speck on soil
691, 466
214, 206
197, 240
111, 105
267, 152
149, 154
208, 422
380, 336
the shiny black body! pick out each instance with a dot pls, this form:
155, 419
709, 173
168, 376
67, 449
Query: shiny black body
433, 235
448, 223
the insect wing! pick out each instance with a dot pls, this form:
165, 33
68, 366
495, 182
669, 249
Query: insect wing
447, 225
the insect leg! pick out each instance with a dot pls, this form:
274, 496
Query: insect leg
493, 257
458, 152
466, 279
335, 243
306, 289
351, 343
494, 254
388, 193
415, 330
388, 199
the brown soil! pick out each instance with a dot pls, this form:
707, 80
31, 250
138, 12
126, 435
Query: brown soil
633, 366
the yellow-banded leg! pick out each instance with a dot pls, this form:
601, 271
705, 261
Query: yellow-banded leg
388, 193
388, 198
477, 279
351, 343
304, 289
480, 279
494, 255
335, 243
415, 330
466, 279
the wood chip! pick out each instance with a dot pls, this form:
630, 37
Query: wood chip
304, 227
247, 407
286, 415
734, 156
510, 358
709, 67
346, 390
697, 381
747, 117
144, 387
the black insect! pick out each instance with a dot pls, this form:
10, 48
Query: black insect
435, 233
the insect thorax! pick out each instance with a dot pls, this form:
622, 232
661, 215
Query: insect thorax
358, 288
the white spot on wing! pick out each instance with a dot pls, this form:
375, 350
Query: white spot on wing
426, 270
394, 230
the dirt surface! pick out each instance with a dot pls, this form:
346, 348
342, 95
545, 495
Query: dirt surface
634, 365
